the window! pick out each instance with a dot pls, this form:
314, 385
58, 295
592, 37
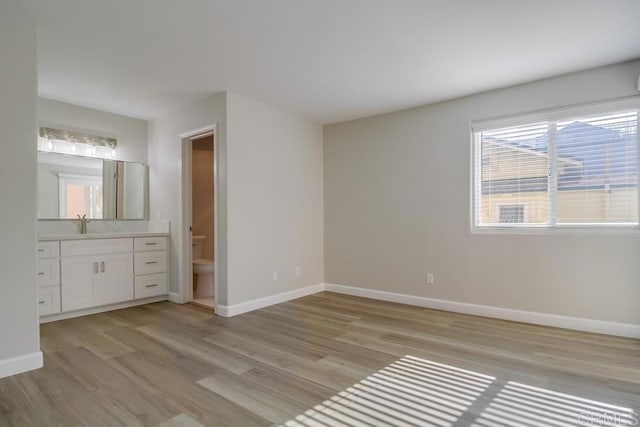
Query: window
558, 169
80, 195
511, 214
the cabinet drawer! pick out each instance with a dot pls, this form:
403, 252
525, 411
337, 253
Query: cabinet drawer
150, 285
150, 262
48, 249
48, 272
49, 300
95, 247
143, 244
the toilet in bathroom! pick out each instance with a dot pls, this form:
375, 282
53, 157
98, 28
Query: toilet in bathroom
202, 269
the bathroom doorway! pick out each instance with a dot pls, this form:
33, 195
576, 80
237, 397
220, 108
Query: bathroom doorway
202, 221
198, 222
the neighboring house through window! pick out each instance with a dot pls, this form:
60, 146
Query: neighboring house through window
561, 168
511, 214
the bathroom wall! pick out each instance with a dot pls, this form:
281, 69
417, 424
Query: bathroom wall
19, 340
202, 188
132, 134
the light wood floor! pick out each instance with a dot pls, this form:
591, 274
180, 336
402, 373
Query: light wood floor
326, 359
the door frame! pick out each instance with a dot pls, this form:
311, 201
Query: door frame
184, 222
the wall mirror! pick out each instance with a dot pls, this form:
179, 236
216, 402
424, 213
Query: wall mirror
71, 185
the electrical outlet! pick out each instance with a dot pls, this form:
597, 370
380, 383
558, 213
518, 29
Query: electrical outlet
298, 271
275, 275
429, 279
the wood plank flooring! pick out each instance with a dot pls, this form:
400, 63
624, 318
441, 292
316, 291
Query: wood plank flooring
325, 359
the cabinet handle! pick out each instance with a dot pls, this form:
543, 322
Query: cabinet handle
41, 273
95, 267
151, 243
102, 267
151, 262
41, 302
40, 249
151, 286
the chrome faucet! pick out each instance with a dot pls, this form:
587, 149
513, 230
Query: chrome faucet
83, 223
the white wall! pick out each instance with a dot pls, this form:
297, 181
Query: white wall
132, 134
165, 175
275, 200
270, 204
19, 341
397, 205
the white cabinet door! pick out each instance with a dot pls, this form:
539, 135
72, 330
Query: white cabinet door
49, 300
48, 272
150, 262
77, 282
90, 281
150, 285
49, 249
143, 244
114, 280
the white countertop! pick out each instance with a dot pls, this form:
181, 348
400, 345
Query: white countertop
89, 236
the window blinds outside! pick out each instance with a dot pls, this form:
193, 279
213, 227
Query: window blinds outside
514, 176
558, 172
603, 186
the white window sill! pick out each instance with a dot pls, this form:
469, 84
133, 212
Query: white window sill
568, 229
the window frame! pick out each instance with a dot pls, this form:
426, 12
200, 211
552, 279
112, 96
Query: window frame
64, 179
575, 112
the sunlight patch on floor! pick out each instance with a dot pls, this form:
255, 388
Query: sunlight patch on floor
419, 392
520, 404
409, 392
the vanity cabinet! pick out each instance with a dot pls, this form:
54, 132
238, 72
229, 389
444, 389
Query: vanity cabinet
96, 272
151, 262
90, 275
48, 278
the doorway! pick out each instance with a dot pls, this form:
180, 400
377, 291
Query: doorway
202, 221
198, 222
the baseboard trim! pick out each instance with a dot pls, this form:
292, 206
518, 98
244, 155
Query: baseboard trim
580, 324
175, 297
245, 307
20, 364
101, 309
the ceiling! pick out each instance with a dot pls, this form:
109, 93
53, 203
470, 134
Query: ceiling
328, 60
